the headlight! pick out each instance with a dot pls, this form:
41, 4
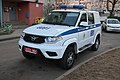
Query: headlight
22, 35
53, 39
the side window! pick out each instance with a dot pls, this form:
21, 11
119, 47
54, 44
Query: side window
90, 18
83, 18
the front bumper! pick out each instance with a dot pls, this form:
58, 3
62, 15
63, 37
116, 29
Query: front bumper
45, 49
113, 29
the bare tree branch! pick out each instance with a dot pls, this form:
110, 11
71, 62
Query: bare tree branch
116, 0
113, 2
110, 1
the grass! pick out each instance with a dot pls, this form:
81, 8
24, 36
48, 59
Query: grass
5, 32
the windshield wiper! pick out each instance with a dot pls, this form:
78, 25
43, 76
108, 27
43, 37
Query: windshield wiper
62, 24
57, 23
48, 23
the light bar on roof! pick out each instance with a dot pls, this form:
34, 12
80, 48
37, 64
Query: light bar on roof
79, 6
71, 7
62, 6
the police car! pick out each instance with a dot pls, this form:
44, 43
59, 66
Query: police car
62, 34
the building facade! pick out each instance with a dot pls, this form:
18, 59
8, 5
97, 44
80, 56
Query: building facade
21, 10
48, 5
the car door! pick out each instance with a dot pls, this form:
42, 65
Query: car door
83, 32
92, 30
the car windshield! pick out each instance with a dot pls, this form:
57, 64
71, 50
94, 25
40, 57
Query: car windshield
61, 18
113, 22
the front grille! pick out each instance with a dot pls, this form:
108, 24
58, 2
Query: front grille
34, 38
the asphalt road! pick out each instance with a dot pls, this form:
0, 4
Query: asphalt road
13, 66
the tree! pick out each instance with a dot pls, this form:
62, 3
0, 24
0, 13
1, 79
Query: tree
113, 2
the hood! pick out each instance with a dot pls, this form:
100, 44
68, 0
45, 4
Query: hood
47, 29
114, 25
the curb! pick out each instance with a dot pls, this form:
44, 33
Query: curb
5, 39
80, 64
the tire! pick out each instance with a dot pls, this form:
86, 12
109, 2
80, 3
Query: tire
95, 46
28, 55
68, 59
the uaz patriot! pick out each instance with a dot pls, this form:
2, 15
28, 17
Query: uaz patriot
62, 34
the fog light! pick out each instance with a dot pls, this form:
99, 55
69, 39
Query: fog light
51, 53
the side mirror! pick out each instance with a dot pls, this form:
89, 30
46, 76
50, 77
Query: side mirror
84, 24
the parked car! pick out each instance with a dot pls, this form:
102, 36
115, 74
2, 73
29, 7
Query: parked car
111, 25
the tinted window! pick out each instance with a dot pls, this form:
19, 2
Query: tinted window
90, 18
83, 18
113, 22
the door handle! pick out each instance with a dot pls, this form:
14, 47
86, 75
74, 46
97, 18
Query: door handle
87, 28
78, 29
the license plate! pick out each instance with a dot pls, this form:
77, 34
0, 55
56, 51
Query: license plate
30, 50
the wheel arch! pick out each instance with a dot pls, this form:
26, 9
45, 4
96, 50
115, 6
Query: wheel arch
74, 46
71, 43
98, 35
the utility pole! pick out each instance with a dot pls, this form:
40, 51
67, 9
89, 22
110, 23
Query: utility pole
0, 13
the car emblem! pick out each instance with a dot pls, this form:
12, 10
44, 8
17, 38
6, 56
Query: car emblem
33, 38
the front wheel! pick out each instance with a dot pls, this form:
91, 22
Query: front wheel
95, 46
68, 59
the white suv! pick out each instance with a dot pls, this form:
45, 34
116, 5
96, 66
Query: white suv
62, 34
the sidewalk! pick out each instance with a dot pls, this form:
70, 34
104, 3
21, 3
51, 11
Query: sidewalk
14, 35
105, 66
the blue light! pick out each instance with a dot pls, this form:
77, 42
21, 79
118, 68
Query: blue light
62, 7
71, 7
79, 6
